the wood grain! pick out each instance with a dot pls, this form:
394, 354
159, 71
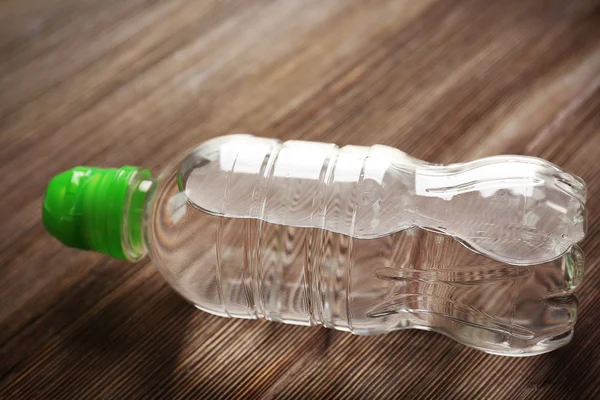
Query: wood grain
138, 81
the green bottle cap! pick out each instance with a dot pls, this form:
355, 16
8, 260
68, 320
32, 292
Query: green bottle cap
96, 209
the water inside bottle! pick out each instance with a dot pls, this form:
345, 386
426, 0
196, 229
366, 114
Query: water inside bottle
415, 278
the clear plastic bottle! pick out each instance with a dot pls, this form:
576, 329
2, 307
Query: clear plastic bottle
361, 239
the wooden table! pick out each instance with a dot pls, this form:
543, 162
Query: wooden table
119, 82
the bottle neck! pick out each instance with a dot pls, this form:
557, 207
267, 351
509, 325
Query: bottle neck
133, 238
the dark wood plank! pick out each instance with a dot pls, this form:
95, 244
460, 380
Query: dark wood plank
138, 81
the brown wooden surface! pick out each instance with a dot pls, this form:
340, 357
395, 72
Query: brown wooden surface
118, 82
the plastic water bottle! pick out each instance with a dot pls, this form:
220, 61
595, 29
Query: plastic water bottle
361, 239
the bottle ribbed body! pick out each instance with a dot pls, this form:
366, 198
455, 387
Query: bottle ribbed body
370, 240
